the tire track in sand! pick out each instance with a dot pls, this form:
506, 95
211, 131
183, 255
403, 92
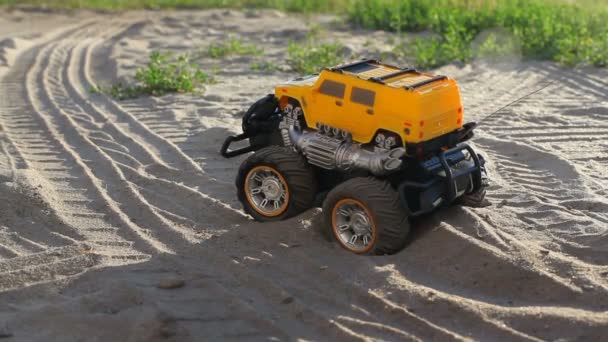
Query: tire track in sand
180, 179
59, 253
68, 184
548, 192
166, 144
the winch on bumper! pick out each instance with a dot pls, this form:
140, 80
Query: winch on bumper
450, 174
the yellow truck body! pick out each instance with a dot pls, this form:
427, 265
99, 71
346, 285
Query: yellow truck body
366, 97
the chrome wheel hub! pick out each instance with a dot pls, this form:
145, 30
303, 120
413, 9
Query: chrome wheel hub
271, 188
353, 225
267, 191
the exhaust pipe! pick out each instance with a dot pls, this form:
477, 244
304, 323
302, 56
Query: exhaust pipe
335, 154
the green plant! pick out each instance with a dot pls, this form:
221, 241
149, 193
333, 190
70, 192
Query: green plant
232, 46
428, 53
496, 45
163, 74
315, 31
263, 66
310, 57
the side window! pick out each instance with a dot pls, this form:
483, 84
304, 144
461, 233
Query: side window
332, 88
363, 96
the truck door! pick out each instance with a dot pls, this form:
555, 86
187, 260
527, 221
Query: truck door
329, 103
360, 113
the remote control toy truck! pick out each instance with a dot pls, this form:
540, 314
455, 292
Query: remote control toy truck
374, 143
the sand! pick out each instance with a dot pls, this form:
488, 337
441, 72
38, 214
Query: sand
119, 220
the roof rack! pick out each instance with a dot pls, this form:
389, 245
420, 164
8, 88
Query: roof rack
341, 68
381, 79
425, 82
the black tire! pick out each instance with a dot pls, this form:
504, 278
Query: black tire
390, 223
297, 175
476, 199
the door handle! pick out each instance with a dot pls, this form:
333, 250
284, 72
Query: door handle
338, 103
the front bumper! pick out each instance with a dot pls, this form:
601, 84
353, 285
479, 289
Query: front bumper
452, 173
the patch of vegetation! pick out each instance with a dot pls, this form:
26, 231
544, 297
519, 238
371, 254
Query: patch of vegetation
568, 32
558, 31
315, 31
311, 57
496, 45
263, 66
163, 74
232, 46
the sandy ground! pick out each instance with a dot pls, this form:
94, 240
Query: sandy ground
105, 204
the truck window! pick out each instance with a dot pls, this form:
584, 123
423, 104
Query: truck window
363, 96
332, 88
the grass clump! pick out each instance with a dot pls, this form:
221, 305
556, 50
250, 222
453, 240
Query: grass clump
264, 66
163, 74
311, 57
233, 46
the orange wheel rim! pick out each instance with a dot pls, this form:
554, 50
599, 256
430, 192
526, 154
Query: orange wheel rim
353, 225
266, 191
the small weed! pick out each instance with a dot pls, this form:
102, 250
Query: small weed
263, 66
162, 75
123, 92
233, 46
310, 57
428, 52
496, 46
96, 89
315, 31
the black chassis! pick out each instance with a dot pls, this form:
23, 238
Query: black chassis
432, 174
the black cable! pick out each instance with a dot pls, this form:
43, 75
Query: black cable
519, 99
